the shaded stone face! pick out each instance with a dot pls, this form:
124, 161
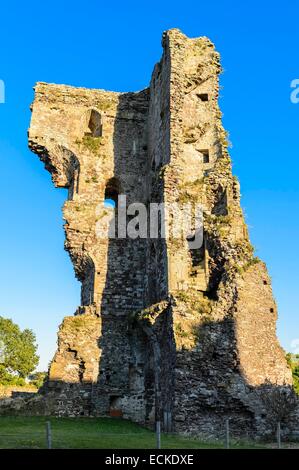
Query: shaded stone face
164, 331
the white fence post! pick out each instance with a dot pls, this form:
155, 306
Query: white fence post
278, 435
49, 435
158, 434
227, 433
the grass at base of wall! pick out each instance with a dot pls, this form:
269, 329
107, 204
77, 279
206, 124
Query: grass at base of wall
92, 433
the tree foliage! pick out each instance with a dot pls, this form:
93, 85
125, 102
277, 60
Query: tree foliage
279, 401
18, 356
38, 379
293, 361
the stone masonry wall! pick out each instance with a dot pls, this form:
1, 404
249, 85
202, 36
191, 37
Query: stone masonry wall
164, 331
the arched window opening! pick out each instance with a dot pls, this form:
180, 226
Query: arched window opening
197, 253
94, 124
110, 203
87, 278
198, 267
112, 192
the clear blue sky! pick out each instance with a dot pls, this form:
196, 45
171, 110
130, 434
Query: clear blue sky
114, 45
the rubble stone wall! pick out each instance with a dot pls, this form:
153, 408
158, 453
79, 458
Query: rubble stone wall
164, 331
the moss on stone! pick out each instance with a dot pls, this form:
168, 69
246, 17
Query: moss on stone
243, 268
78, 322
104, 104
182, 296
195, 303
180, 331
93, 144
190, 191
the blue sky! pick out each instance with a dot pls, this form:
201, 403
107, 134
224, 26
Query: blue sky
114, 45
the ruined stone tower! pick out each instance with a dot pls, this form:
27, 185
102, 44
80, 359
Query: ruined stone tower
163, 331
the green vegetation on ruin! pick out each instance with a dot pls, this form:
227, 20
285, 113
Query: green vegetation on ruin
93, 179
220, 223
104, 105
182, 295
180, 331
195, 304
78, 322
149, 314
224, 139
190, 191
92, 144
248, 264
202, 43
218, 219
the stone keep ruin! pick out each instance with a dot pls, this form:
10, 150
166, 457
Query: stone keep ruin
163, 331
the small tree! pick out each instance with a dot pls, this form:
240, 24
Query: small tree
279, 401
18, 356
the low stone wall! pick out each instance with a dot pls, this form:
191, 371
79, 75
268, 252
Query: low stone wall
8, 391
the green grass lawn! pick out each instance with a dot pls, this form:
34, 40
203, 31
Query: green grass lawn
90, 433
